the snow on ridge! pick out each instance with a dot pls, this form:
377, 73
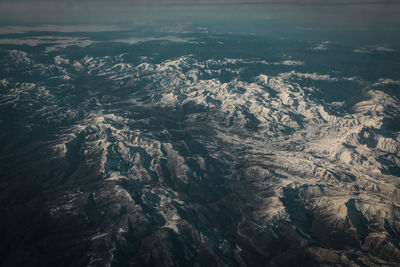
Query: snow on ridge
327, 137
59, 60
376, 104
321, 46
314, 76
291, 63
288, 130
386, 81
20, 57
289, 141
179, 81
4, 82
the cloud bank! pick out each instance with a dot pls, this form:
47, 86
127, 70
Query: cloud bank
41, 11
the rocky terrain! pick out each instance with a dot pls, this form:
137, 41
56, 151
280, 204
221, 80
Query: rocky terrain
195, 161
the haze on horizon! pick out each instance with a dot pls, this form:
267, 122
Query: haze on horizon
369, 12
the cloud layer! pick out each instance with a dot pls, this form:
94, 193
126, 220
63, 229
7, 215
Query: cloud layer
42, 11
